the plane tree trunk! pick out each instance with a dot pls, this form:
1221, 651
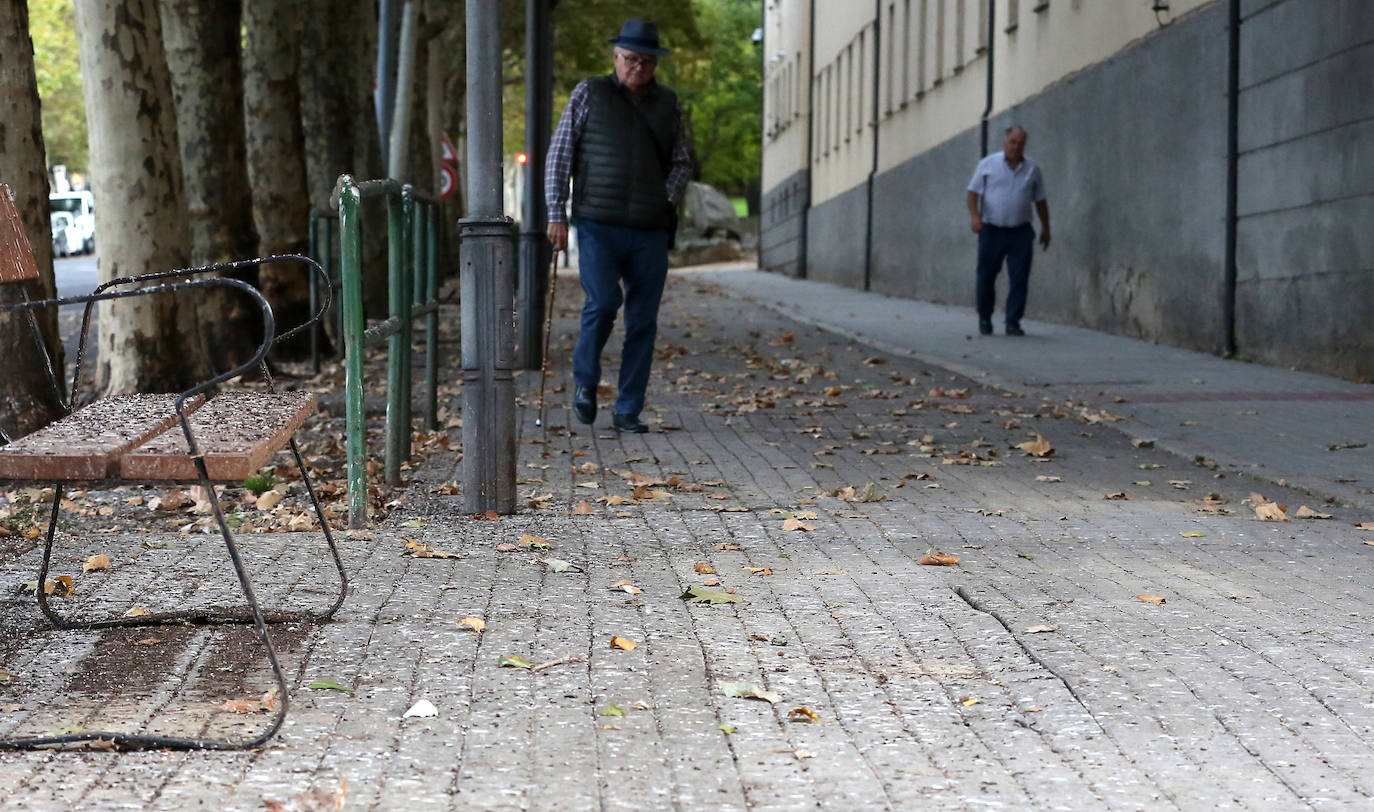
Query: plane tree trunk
203, 44
135, 172
276, 158
27, 401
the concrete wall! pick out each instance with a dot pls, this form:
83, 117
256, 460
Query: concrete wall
1133, 153
1305, 256
780, 227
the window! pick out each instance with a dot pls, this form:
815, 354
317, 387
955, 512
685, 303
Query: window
982, 27
959, 34
891, 53
922, 57
939, 45
906, 51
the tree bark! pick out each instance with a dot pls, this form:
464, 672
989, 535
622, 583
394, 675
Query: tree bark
27, 401
203, 44
136, 180
276, 158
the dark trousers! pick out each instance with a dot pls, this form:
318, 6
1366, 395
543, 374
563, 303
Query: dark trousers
612, 258
1016, 246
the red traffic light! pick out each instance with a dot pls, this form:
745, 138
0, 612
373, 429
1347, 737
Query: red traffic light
522, 158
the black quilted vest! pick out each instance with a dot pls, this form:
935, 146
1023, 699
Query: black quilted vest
620, 166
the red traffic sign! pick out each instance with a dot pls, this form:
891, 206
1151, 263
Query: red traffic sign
450, 154
448, 181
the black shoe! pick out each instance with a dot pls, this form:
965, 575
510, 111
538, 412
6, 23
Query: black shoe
628, 422
584, 404
1015, 330
985, 327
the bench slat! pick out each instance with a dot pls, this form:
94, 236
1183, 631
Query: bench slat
16, 255
237, 432
86, 444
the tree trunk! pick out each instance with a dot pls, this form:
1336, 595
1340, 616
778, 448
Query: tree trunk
367, 158
27, 401
202, 42
276, 158
136, 179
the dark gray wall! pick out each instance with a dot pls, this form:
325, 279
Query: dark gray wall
1133, 152
836, 233
1305, 253
1134, 155
780, 227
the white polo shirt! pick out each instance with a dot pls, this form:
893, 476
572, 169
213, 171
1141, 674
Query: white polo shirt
1007, 195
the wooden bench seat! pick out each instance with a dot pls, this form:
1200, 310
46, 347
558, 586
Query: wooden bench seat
139, 437
237, 432
87, 444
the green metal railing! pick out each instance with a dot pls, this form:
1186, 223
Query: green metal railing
412, 291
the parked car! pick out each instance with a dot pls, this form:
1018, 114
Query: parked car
66, 237
81, 207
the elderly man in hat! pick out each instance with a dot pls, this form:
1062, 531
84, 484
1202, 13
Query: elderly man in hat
621, 138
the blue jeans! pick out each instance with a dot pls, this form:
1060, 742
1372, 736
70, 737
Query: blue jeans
1016, 246
611, 258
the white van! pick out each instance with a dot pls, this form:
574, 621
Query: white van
81, 206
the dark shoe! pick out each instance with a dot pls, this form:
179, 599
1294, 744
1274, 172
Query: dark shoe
628, 422
584, 404
1015, 330
985, 327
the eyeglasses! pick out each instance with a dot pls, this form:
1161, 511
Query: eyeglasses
638, 61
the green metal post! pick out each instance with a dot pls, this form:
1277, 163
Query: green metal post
395, 228
431, 226
350, 224
407, 332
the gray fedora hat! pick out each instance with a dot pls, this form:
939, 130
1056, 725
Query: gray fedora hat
640, 37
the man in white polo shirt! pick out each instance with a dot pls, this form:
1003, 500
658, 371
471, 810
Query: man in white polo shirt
1000, 195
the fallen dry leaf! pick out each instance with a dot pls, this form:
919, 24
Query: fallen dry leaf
1048, 478
415, 549
793, 523
703, 568
1155, 599
1041, 629
137, 611
939, 560
622, 643
758, 570
319, 801
477, 624
1271, 512
1039, 447
803, 714
967, 701
747, 690
422, 709
96, 562
1117, 496
583, 508
269, 499
1305, 512
626, 587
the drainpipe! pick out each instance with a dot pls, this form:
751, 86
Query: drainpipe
810, 136
987, 109
873, 170
1228, 302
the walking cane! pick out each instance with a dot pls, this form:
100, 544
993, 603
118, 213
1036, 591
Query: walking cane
548, 329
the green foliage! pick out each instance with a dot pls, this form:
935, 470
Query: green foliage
52, 25
260, 483
719, 84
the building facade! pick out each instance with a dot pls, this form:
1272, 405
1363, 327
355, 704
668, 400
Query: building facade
1207, 190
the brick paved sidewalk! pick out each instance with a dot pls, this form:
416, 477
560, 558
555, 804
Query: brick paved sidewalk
1028, 675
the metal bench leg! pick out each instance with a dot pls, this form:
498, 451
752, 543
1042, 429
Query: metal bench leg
117, 739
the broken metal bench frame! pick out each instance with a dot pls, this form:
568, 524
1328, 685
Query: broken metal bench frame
159, 452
